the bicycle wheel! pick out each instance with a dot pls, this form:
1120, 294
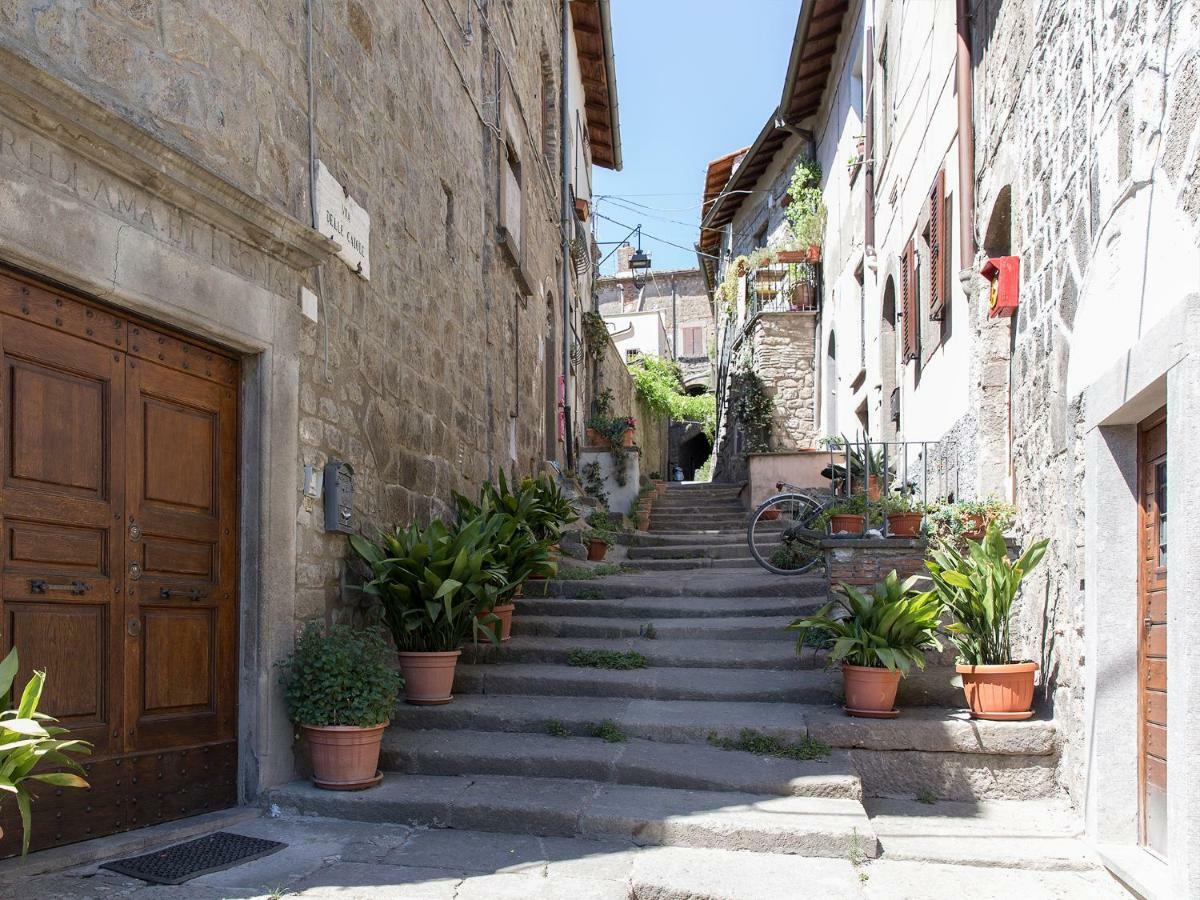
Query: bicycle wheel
783, 534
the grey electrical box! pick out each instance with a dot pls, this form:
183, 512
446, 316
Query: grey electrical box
339, 497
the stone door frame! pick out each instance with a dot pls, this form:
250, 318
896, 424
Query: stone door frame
103, 207
1161, 369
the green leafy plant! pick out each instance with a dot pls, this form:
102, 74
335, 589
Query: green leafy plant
659, 383
553, 510
587, 573
516, 517
750, 405
611, 429
340, 676
891, 627
601, 520
606, 659
593, 482
431, 581
978, 588
595, 333
751, 741
806, 211
593, 534
555, 728
648, 631
854, 505
29, 740
947, 522
607, 730
589, 594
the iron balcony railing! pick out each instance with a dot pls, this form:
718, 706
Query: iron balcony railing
783, 287
922, 471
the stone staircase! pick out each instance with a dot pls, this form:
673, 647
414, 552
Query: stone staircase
518, 750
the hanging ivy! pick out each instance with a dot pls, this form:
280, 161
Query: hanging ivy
750, 405
806, 209
595, 333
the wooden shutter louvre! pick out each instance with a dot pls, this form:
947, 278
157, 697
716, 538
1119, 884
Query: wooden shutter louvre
908, 313
938, 245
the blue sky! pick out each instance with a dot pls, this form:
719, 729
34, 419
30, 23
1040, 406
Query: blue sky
695, 80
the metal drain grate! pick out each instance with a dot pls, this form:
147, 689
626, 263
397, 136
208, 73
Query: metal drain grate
183, 862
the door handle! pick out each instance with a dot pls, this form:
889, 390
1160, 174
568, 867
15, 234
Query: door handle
193, 594
134, 627
41, 586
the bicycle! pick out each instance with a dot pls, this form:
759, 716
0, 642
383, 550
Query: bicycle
784, 533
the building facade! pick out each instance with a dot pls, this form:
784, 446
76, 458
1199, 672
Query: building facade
165, 290
1042, 155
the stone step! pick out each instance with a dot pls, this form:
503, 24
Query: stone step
667, 683
686, 507
706, 521
805, 598
684, 565
691, 539
693, 652
668, 721
945, 754
640, 762
728, 550
704, 583
731, 628
803, 826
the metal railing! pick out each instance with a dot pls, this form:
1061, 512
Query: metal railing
783, 287
922, 471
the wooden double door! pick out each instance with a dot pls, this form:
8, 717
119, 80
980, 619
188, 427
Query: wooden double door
118, 574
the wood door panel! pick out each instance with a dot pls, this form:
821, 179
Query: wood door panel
31, 546
178, 660
171, 479
167, 557
1152, 632
64, 639
1156, 707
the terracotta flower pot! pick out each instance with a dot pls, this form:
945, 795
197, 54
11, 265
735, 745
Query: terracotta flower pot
344, 757
770, 515
874, 487
999, 692
847, 524
975, 527
627, 438
505, 613
428, 677
660, 488
870, 692
814, 253
904, 524
789, 257
596, 550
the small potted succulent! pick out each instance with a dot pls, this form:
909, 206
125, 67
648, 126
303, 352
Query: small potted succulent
904, 515
978, 589
430, 583
30, 740
341, 689
877, 637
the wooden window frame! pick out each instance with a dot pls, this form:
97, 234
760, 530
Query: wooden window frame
910, 313
939, 248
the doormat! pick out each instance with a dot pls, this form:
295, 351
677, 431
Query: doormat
189, 860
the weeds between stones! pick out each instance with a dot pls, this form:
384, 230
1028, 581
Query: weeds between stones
607, 730
648, 631
927, 797
555, 728
606, 659
751, 741
589, 594
587, 573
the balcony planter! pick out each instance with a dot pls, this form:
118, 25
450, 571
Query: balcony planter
592, 437
870, 692
847, 524
814, 253
791, 257
344, 757
804, 297
906, 524
627, 438
1003, 692
428, 677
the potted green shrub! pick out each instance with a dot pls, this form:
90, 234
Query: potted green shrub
978, 588
30, 740
877, 637
966, 520
430, 583
597, 543
553, 511
904, 515
341, 689
849, 516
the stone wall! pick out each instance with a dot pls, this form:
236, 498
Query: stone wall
1086, 125
427, 378
784, 360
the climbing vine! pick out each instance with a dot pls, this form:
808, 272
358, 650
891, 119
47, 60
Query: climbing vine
595, 333
806, 209
659, 384
750, 405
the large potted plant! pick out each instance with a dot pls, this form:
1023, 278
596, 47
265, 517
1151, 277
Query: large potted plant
430, 583
978, 588
904, 514
30, 740
877, 637
341, 689
849, 516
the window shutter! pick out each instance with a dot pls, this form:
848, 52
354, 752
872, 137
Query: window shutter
938, 245
908, 311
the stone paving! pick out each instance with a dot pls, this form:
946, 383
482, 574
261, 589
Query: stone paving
328, 858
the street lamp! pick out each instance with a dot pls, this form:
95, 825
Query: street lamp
639, 263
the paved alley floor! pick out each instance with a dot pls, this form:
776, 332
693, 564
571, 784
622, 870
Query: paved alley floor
328, 858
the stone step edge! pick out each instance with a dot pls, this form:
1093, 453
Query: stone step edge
799, 826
